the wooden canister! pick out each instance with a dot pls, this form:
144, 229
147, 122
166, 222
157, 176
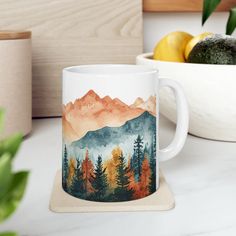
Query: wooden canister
16, 81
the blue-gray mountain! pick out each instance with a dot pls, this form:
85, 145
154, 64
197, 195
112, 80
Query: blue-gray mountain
144, 125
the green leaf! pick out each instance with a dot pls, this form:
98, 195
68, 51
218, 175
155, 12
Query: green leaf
9, 234
12, 198
5, 174
208, 7
1, 119
11, 145
231, 23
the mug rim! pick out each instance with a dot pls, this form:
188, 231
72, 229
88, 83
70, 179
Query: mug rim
110, 69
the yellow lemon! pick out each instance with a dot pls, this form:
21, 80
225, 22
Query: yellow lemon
190, 45
172, 47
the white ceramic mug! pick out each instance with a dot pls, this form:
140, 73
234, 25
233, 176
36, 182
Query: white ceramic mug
111, 132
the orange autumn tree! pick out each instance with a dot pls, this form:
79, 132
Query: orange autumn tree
87, 172
141, 188
111, 165
72, 166
133, 185
145, 178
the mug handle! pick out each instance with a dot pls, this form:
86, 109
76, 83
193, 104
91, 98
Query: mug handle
182, 121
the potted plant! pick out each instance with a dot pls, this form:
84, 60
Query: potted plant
210, 5
12, 184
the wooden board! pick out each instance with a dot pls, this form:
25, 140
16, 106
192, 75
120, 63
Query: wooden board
182, 5
63, 202
73, 32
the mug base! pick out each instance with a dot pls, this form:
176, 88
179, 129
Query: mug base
61, 201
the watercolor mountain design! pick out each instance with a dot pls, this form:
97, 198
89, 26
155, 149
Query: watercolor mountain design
94, 113
149, 105
109, 148
103, 140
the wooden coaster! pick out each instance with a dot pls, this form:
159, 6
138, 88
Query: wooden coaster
63, 202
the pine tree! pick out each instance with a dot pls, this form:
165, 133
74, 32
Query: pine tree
154, 144
132, 162
65, 168
71, 173
78, 186
146, 152
152, 184
99, 181
133, 185
138, 156
145, 178
110, 166
122, 191
87, 170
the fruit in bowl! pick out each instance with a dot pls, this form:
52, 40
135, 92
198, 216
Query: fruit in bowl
206, 70
216, 49
172, 47
206, 48
193, 42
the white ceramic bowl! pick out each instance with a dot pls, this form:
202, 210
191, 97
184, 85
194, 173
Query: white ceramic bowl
211, 94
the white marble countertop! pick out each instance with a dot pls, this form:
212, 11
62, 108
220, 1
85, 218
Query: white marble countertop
202, 178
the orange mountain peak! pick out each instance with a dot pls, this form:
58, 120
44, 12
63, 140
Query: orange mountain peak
107, 99
138, 101
90, 93
117, 101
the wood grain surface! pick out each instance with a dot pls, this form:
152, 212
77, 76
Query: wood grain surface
73, 32
182, 5
6, 35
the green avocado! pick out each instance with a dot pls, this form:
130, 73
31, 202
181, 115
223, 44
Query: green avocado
216, 49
